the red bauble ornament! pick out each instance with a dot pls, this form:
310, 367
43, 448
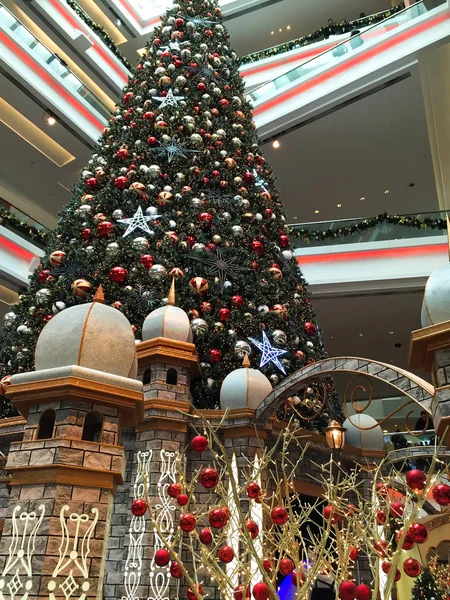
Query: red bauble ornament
217, 518
257, 247
397, 509
174, 490
206, 219
331, 513
363, 592
81, 288
279, 515
419, 532
182, 499
199, 443
215, 356
286, 566
104, 229
408, 542
224, 314
226, 554
205, 536
149, 116
86, 233
280, 310
92, 183
147, 261
191, 595
397, 575
209, 478
121, 182
44, 275
267, 565
347, 590
152, 141
412, 567
237, 300
122, 153
381, 517
188, 522
176, 571
162, 557
386, 567
353, 553
201, 87
310, 328
253, 490
382, 489
261, 591
56, 258
198, 285
238, 593
284, 241
441, 494
249, 177
416, 479
350, 510
297, 578
252, 528
127, 97
117, 274
139, 507
380, 547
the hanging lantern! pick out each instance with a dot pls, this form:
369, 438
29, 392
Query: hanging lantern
335, 436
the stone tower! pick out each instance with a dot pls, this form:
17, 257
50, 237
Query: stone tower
66, 469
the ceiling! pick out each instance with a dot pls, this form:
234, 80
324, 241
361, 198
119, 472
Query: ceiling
375, 144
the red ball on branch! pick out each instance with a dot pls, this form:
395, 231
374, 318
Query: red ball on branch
381, 517
363, 592
188, 522
162, 557
416, 479
176, 571
104, 228
397, 509
297, 578
205, 536
441, 494
408, 542
412, 567
261, 591
191, 594
286, 566
215, 356
241, 591
117, 275
226, 554
267, 564
218, 518
199, 443
382, 489
310, 328
174, 490
147, 260
419, 532
138, 507
209, 478
347, 590
353, 553
252, 528
279, 515
182, 499
331, 513
121, 182
253, 490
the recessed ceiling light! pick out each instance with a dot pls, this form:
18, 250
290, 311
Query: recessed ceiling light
391, 333
331, 337
362, 198
51, 120
385, 431
118, 23
272, 32
339, 205
386, 191
361, 334
317, 212
288, 27
280, 29
276, 144
295, 218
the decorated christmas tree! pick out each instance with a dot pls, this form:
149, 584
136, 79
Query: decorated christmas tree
178, 187
426, 587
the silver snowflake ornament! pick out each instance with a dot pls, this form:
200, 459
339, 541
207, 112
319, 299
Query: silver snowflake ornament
204, 70
143, 299
269, 354
224, 268
259, 181
137, 221
174, 147
200, 21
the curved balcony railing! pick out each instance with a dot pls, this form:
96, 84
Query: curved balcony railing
369, 229
25, 226
45, 57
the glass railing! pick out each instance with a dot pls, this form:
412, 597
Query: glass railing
332, 56
414, 451
372, 229
51, 62
19, 222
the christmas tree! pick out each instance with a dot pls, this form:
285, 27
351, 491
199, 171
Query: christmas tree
426, 588
178, 187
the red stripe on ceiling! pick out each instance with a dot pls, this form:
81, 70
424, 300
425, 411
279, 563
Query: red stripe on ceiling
65, 13
349, 64
277, 63
404, 252
13, 248
127, 6
44, 75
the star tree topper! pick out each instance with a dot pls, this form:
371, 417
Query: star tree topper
269, 353
169, 100
137, 221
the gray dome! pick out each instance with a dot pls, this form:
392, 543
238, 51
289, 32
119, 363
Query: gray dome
91, 335
368, 439
168, 322
436, 298
244, 388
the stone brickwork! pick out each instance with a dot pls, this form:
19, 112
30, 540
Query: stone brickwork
158, 374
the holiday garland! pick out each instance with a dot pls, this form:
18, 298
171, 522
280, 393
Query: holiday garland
322, 34
13, 223
99, 31
403, 220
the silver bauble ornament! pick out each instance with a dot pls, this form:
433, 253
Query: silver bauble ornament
199, 326
196, 140
287, 255
151, 210
274, 379
9, 319
198, 247
58, 307
309, 344
23, 329
279, 337
242, 349
117, 214
237, 230
157, 272
112, 248
154, 171
42, 295
140, 243
263, 310
85, 208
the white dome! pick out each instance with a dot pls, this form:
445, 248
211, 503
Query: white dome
367, 439
91, 335
168, 322
244, 388
436, 298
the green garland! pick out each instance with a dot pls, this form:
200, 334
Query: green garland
322, 34
31, 233
403, 220
99, 31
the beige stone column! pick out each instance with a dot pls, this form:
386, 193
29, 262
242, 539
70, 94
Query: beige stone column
434, 68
